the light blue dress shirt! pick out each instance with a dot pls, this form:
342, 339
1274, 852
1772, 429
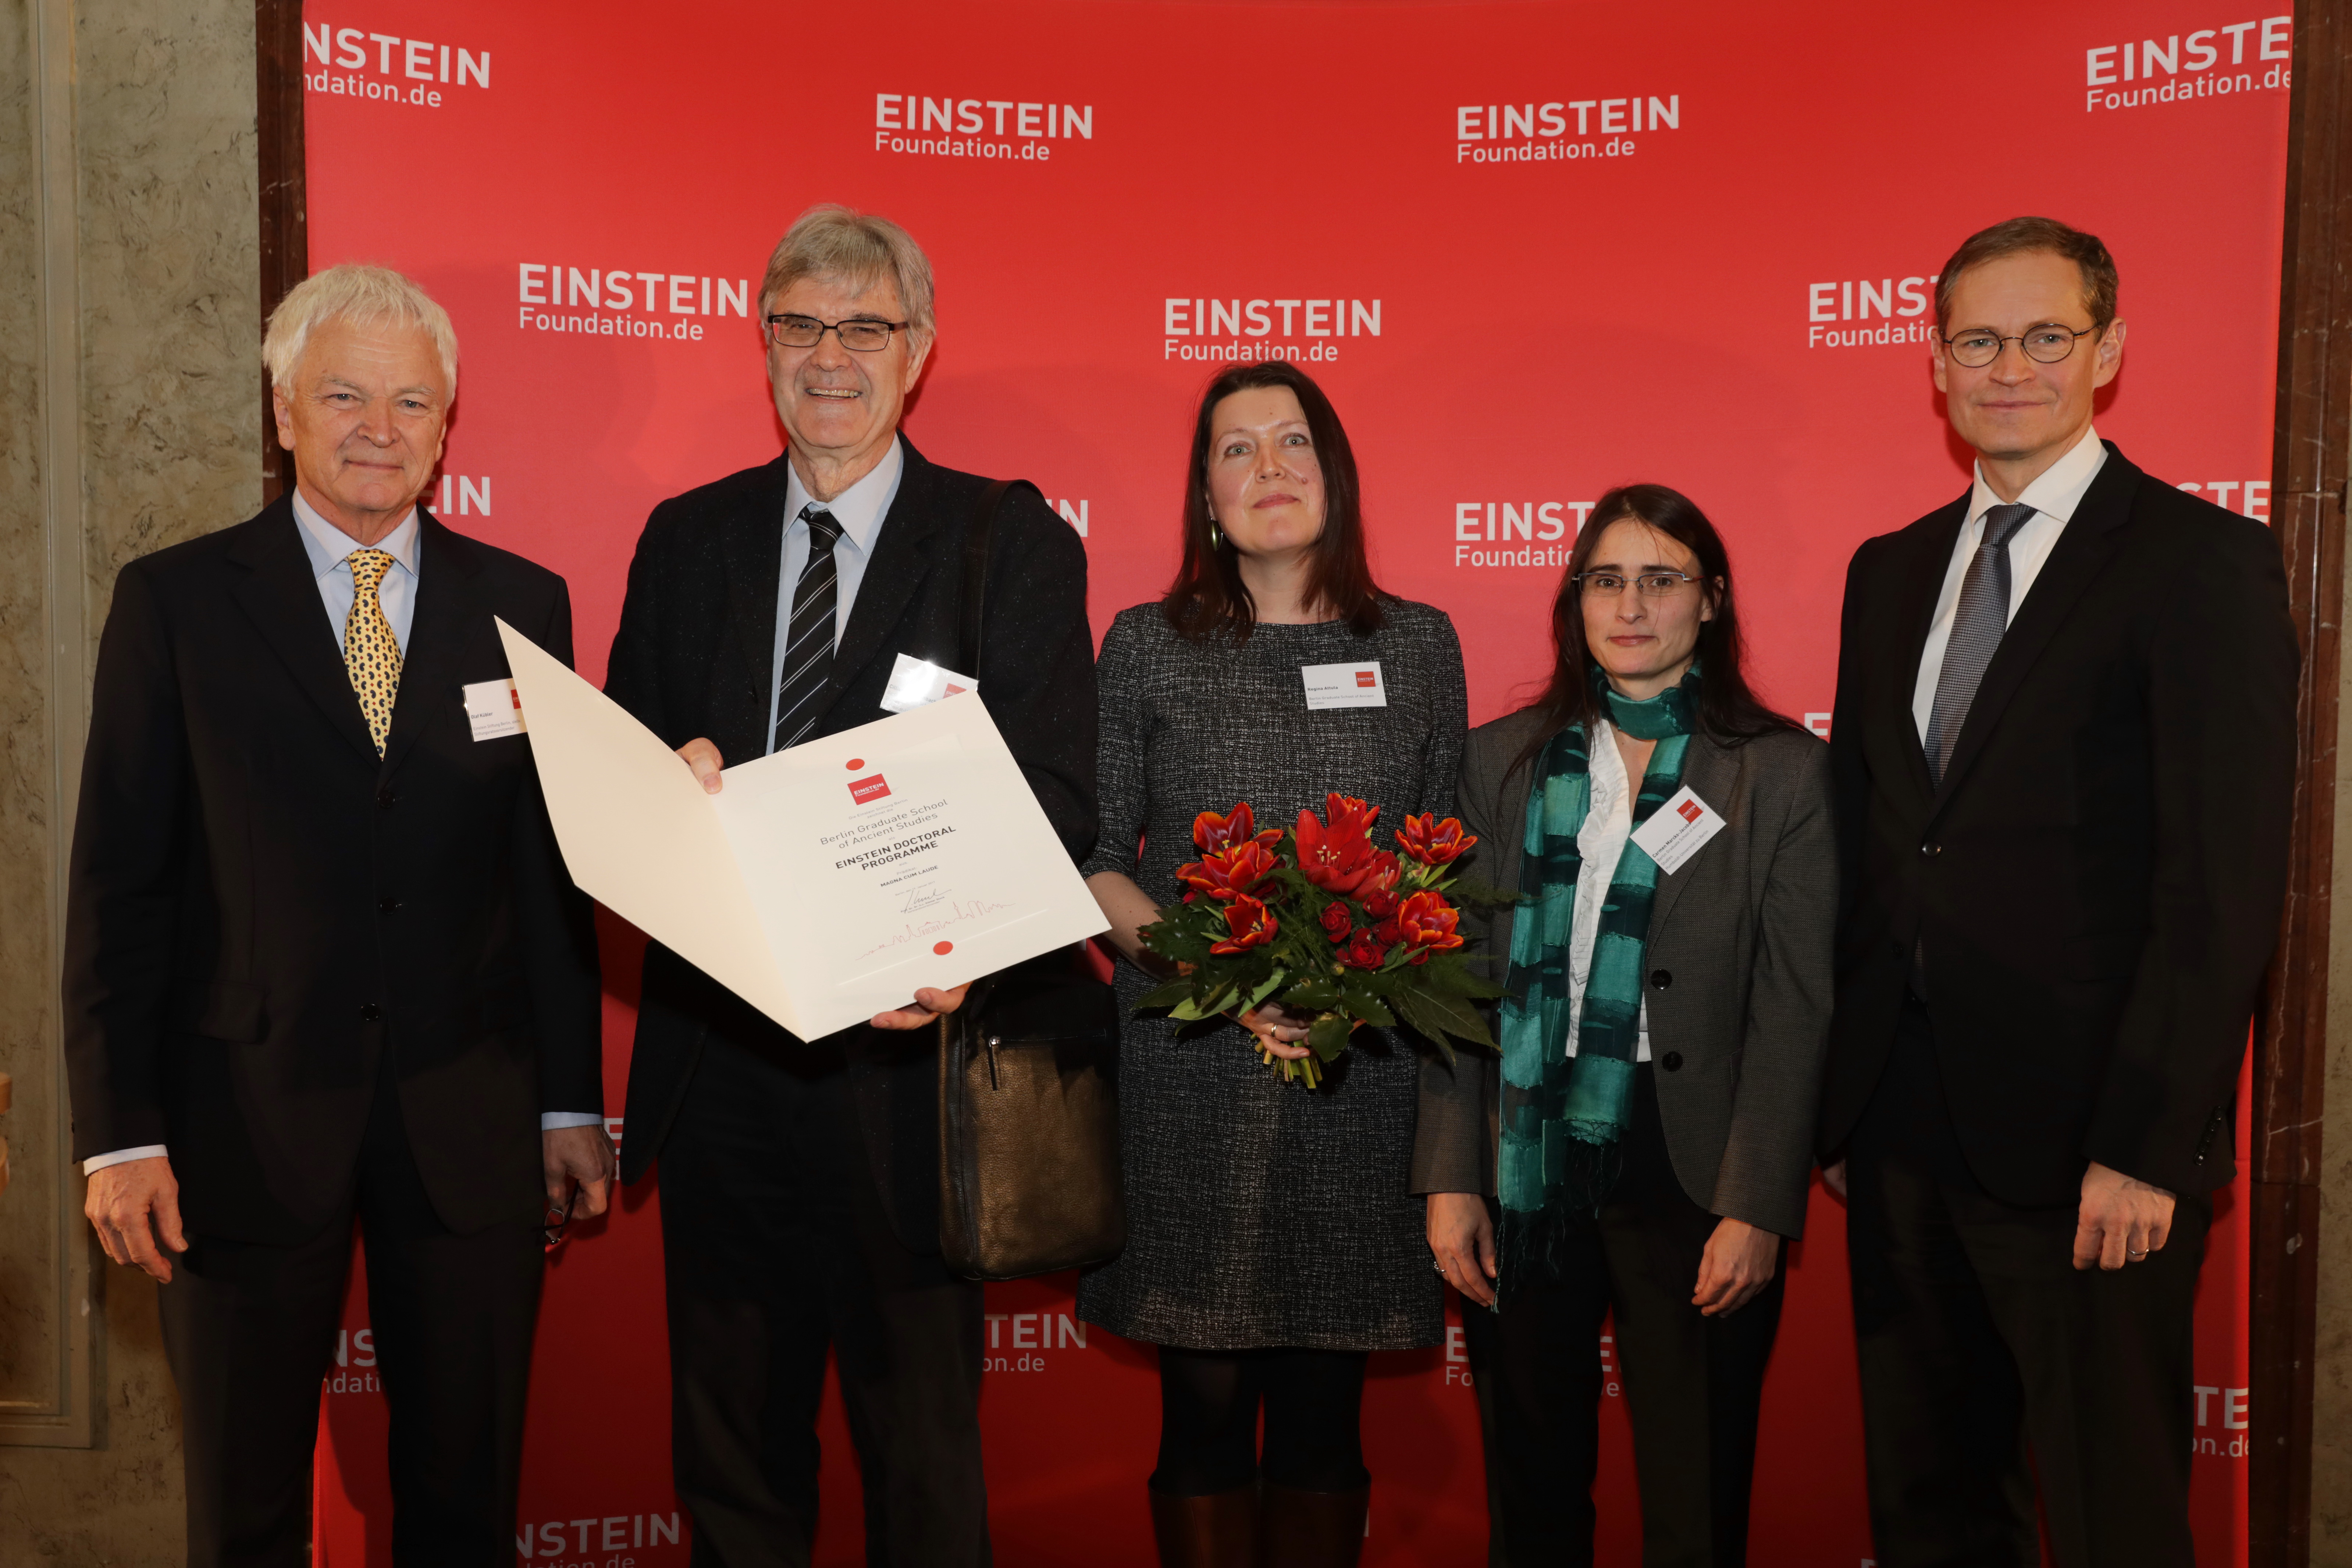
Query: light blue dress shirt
859, 510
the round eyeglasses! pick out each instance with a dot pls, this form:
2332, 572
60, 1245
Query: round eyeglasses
1651, 584
866, 334
2047, 344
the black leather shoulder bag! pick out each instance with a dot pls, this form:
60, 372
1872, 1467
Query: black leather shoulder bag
1029, 1176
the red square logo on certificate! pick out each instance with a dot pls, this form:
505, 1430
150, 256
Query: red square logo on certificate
864, 789
1690, 812
1365, 678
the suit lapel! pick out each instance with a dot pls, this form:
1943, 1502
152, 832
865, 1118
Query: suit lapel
753, 543
2082, 552
902, 559
1921, 583
280, 597
432, 672
1712, 774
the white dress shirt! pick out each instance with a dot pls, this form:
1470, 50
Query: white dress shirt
330, 552
859, 510
2053, 497
1607, 824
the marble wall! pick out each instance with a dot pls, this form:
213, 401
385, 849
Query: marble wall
151, 119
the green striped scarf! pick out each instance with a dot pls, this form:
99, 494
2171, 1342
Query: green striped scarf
1562, 1115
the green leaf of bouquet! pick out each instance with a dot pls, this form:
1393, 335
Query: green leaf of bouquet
1456, 1018
1167, 996
1367, 1006
1314, 995
1264, 989
1327, 1037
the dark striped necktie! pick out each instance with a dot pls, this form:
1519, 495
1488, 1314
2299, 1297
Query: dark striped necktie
1977, 624
808, 644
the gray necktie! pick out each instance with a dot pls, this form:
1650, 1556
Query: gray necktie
809, 634
1977, 625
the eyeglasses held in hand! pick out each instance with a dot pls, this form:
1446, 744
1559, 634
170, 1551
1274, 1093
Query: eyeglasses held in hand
2047, 344
557, 1218
1653, 584
866, 334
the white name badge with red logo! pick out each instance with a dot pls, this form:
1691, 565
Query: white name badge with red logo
1678, 829
1344, 686
917, 682
493, 708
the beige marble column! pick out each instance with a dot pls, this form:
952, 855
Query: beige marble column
128, 195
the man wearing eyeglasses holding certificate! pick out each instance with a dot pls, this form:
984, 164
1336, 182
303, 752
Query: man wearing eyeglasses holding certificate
2063, 748
799, 1178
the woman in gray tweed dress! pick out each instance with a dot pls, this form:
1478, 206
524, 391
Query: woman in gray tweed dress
1271, 1241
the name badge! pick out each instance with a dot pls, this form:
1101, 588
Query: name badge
1678, 829
917, 682
1344, 686
493, 709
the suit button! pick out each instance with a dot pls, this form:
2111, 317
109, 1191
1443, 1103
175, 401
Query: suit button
1672, 1061
384, 797
370, 1012
387, 903
1930, 851
1661, 978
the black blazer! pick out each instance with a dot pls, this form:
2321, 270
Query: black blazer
259, 907
694, 657
2097, 885
1739, 984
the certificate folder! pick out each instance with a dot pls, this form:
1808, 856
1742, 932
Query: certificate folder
826, 883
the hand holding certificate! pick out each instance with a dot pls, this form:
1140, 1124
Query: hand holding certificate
825, 883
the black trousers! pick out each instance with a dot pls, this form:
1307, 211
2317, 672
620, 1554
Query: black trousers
1980, 1343
776, 1246
250, 1332
1694, 1383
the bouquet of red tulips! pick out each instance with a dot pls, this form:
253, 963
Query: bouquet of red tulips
1323, 921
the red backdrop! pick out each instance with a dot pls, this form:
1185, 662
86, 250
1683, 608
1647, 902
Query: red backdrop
1532, 249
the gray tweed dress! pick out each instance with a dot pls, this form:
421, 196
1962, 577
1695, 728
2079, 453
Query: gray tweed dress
1261, 1213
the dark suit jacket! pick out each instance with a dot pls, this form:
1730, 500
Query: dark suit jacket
260, 907
694, 657
1739, 975
2096, 884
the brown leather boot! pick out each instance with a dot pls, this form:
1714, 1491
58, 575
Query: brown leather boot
1311, 1529
1218, 1531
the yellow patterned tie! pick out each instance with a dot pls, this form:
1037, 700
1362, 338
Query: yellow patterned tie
371, 652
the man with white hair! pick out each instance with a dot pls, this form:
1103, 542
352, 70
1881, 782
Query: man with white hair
800, 1179
323, 965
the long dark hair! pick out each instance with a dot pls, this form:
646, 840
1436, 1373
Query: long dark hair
1728, 713
1208, 595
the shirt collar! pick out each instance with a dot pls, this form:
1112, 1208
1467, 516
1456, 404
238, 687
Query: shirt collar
329, 547
858, 509
2059, 488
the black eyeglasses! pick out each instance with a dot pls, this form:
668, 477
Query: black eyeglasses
2047, 344
864, 333
1653, 584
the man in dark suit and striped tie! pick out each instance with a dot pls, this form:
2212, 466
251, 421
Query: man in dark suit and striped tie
2063, 748
800, 1179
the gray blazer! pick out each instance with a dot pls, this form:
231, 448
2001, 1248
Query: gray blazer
1740, 979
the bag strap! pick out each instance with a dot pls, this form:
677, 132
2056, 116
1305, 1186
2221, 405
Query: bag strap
976, 542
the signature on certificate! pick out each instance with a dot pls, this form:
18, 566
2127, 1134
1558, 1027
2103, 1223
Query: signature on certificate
922, 896
917, 930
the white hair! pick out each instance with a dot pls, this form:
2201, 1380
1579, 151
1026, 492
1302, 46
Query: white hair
363, 296
832, 241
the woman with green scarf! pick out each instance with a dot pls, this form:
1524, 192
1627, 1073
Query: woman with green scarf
1644, 1142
